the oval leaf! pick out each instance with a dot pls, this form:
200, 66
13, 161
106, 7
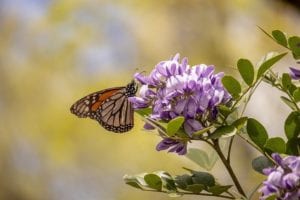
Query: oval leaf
223, 131
183, 181
239, 123
292, 125
296, 95
246, 70
267, 64
232, 85
276, 144
286, 81
294, 43
203, 178
293, 147
219, 189
174, 125
260, 163
280, 37
195, 188
257, 132
153, 181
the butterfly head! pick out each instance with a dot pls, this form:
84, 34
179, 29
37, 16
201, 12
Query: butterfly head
131, 88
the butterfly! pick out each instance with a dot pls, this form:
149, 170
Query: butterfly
110, 107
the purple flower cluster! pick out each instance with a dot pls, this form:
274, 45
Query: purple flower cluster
283, 181
174, 88
295, 73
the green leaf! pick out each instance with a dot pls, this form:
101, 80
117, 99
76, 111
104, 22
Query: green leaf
167, 180
292, 88
135, 181
280, 37
292, 125
296, 95
260, 163
293, 147
204, 130
202, 158
288, 102
224, 110
174, 125
183, 181
246, 70
232, 85
195, 188
257, 132
286, 81
153, 181
276, 144
240, 123
268, 63
219, 189
203, 178
144, 111
294, 43
223, 131
272, 197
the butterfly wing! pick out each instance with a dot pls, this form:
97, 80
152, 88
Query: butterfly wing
88, 105
116, 113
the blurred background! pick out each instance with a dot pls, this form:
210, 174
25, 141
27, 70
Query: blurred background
53, 52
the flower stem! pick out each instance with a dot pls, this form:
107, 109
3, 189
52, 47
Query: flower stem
228, 167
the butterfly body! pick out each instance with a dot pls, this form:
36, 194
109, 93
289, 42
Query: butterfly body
110, 107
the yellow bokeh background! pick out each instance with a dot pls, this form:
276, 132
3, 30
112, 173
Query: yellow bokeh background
54, 52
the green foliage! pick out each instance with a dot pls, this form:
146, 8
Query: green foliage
174, 125
246, 70
162, 181
272, 197
153, 181
286, 81
257, 132
203, 178
240, 123
219, 189
223, 131
280, 37
293, 146
294, 43
204, 159
292, 125
224, 110
296, 95
289, 103
276, 144
260, 163
144, 111
232, 86
268, 62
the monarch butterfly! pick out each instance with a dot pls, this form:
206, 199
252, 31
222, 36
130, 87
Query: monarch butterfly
110, 107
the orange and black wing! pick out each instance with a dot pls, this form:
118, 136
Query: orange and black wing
116, 113
88, 105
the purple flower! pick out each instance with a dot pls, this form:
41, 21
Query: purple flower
295, 73
284, 180
174, 88
173, 145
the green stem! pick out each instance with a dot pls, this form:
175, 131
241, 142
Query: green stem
229, 168
229, 149
189, 193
